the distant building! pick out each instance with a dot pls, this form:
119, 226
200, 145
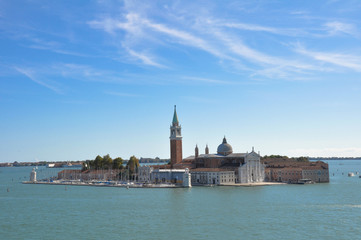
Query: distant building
252, 171
88, 175
212, 176
291, 171
144, 174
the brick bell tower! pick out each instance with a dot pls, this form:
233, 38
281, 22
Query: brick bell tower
175, 140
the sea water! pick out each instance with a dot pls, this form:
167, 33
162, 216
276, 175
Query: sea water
314, 211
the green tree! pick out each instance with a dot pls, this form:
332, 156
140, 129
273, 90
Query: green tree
132, 167
98, 162
107, 162
118, 163
302, 159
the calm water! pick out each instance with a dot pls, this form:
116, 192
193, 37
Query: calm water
317, 211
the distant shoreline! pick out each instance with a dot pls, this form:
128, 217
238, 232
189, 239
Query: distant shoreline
334, 158
27, 164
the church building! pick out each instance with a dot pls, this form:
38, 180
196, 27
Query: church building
221, 168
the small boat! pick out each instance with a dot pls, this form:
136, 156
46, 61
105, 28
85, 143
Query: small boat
351, 174
305, 181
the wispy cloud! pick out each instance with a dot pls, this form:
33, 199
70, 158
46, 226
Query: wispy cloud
250, 27
147, 60
335, 27
84, 72
342, 60
135, 25
145, 32
31, 40
208, 80
31, 75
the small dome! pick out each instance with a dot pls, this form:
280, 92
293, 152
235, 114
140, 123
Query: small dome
224, 148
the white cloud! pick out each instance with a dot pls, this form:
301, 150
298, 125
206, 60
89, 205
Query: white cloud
208, 80
342, 60
31, 75
147, 60
146, 32
335, 27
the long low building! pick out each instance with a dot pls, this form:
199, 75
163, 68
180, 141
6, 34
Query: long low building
212, 176
88, 175
291, 171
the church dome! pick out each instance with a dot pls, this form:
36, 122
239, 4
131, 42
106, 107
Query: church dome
224, 148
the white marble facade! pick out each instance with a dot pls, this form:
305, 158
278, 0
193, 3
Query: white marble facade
252, 171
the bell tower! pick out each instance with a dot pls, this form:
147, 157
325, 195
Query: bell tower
175, 140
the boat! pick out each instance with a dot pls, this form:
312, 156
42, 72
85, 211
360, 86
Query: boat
351, 174
305, 181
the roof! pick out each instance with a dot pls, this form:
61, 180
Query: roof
175, 121
224, 148
210, 170
232, 155
169, 170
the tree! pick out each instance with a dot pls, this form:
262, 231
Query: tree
132, 166
302, 159
118, 163
98, 162
107, 162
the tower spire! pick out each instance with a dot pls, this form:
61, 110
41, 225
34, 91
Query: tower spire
196, 151
175, 121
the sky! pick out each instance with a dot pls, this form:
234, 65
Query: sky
82, 78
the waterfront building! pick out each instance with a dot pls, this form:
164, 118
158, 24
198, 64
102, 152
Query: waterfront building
246, 167
212, 176
89, 175
252, 171
167, 176
316, 173
291, 171
144, 174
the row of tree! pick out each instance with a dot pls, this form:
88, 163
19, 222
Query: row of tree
106, 162
279, 157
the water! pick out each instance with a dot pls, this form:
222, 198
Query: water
316, 211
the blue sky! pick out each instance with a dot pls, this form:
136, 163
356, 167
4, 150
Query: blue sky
81, 78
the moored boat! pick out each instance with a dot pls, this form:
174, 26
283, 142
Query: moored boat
305, 181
